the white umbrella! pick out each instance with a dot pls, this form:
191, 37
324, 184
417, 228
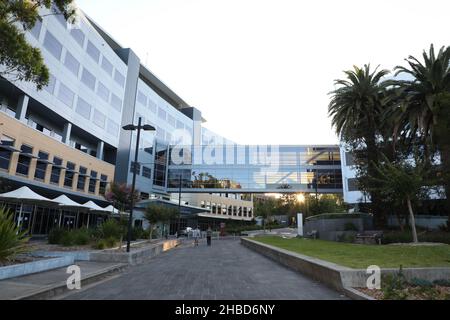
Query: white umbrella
26, 195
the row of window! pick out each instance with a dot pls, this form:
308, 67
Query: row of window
42, 165
83, 108
223, 209
55, 48
146, 171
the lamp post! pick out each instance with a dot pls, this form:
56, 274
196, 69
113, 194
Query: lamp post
132, 127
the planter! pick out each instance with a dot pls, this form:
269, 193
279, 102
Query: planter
24, 269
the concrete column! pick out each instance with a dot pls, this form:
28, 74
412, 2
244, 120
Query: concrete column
22, 107
67, 133
100, 150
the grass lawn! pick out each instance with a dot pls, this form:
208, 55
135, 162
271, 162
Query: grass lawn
362, 256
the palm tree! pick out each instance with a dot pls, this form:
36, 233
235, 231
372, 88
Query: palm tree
356, 108
424, 106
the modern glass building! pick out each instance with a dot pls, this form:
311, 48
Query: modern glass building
67, 138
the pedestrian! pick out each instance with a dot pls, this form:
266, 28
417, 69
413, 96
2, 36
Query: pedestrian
196, 234
209, 236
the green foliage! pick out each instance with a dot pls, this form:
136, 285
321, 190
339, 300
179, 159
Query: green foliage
12, 241
350, 227
121, 196
405, 237
21, 60
55, 235
111, 229
106, 243
346, 237
394, 285
155, 213
76, 237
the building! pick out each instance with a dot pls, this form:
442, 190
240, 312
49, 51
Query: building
67, 138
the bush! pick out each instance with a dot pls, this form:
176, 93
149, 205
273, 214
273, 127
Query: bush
107, 243
394, 286
12, 241
350, 227
346, 237
55, 235
111, 229
67, 239
81, 237
406, 237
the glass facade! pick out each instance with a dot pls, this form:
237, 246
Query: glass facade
256, 168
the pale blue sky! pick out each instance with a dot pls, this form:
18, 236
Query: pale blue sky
260, 70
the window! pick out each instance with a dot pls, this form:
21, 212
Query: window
160, 133
50, 88
116, 102
162, 114
137, 166
152, 105
56, 170
103, 92
93, 182
171, 120
82, 179
52, 45
70, 174
72, 64
180, 125
78, 35
92, 51
83, 109
5, 154
107, 66
65, 95
23, 165
41, 166
82, 148
103, 184
60, 17
36, 31
113, 128
352, 184
146, 172
142, 99
99, 119
119, 78
88, 79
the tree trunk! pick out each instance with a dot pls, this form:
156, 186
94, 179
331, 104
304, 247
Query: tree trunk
412, 221
151, 232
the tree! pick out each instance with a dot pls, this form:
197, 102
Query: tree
19, 59
423, 109
404, 181
266, 210
357, 108
155, 213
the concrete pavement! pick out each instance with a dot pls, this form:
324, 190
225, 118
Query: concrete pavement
225, 271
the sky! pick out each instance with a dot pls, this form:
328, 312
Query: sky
261, 70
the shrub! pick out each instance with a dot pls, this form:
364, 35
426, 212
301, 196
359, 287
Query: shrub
138, 233
107, 243
55, 235
81, 237
394, 286
67, 239
350, 227
12, 241
442, 283
346, 237
111, 229
406, 237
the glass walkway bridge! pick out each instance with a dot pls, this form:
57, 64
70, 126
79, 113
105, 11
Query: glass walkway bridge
249, 169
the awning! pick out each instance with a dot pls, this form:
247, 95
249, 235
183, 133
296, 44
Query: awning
45, 161
8, 148
26, 195
28, 155
66, 202
94, 207
112, 210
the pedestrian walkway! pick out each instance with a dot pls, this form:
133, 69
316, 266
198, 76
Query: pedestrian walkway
225, 271
40, 284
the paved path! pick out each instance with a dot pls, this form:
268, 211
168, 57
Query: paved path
225, 271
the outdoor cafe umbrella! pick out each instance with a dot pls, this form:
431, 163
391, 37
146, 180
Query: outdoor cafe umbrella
25, 195
94, 207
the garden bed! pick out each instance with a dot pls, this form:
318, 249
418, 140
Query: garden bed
411, 293
21, 259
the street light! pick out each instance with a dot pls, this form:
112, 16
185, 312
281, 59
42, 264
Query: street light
132, 127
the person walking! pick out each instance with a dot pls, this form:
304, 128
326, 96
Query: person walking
196, 234
209, 236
